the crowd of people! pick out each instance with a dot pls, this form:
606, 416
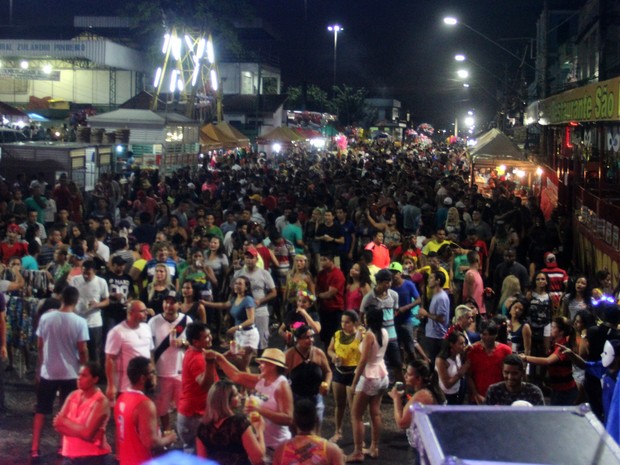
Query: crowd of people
379, 270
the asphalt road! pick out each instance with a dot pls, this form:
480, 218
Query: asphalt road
16, 430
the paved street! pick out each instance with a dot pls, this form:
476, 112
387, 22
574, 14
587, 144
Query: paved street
16, 431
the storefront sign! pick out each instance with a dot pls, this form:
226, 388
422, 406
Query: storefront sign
594, 102
29, 74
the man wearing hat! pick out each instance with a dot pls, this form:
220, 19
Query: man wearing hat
263, 291
127, 340
12, 246
168, 329
386, 299
558, 279
405, 317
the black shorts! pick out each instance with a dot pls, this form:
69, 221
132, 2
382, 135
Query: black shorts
46, 393
345, 376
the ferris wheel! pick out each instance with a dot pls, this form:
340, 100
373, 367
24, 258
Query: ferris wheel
189, 70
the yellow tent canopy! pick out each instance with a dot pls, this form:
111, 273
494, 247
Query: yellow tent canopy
211, 136
233, 132
282, 134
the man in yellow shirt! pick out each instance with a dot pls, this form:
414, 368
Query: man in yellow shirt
433, 266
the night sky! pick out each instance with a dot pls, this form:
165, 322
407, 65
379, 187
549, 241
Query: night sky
395, 48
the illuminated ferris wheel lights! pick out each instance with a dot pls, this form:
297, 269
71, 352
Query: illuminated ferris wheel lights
195, 73
213, 79
180, 85
157, 77
188, 41
166, 45
201, 48
173, 80
176, 48
210, 52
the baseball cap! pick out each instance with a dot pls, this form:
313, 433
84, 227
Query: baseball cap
256, 198
383, 275
13, 228
396, 267
251, 251
172, 295
549, 258
447, 201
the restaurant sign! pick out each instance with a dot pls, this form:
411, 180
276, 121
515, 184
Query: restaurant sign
599, 101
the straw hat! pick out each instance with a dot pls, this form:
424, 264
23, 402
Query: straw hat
273, 356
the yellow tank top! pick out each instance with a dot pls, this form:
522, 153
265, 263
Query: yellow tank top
349, 353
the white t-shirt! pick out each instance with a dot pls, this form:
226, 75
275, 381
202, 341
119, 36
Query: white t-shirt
103, 251
126, 343
96, 289
61, 332
171, 360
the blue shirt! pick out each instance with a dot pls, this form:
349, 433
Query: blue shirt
407, 293
239, 312
440, 305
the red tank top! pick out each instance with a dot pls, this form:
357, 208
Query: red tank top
129, 446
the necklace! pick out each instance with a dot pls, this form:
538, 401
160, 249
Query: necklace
346, 339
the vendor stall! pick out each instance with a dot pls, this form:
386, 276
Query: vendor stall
163, 140
495, 158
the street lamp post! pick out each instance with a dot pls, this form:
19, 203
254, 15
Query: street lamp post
452, 21
335, 28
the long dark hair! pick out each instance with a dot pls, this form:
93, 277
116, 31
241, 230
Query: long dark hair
374, 321
587, 292
452, 338
567, 329
429, 379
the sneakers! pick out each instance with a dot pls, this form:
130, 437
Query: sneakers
35, 457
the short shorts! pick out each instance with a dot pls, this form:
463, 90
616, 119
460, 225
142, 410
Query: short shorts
372, 387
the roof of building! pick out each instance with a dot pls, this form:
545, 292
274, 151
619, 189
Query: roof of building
248, 104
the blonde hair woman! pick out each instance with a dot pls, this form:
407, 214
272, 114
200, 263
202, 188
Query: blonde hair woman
298, 279
454, 225
158, 289
510, 287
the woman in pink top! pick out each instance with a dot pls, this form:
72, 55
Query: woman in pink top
371, 382
358, 285
83, 418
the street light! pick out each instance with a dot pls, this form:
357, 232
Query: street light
462, 73
335, 28
460, 57
452, 21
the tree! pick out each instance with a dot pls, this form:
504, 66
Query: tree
349, 104
317, 99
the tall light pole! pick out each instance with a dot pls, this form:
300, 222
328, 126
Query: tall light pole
452, 21
335, 28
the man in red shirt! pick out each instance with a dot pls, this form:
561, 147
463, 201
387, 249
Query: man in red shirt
486, 359
13, 246
330, 283
558, 278
137, 433
197, 376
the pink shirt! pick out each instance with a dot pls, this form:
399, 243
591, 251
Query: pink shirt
477, 290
